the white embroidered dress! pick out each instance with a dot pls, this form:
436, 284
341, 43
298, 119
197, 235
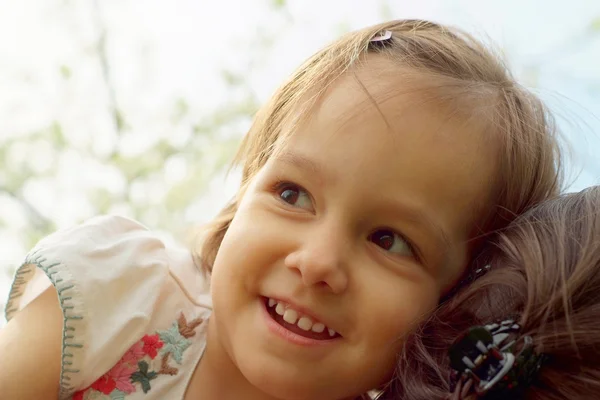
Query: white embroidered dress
134, 311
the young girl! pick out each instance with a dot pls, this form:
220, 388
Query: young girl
542, 291
370, 180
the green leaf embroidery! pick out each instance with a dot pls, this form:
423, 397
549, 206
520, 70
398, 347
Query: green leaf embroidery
117, 395
174, 342
95, 395
143, 376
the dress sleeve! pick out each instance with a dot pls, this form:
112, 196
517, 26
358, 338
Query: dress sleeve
107, 273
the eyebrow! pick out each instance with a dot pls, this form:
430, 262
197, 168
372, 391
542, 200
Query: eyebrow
419, 217
305, 163
410, 214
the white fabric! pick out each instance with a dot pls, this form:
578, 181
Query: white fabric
116, 282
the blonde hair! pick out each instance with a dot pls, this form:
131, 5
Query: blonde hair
528, 150
545, 274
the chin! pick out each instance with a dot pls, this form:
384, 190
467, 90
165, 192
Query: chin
293, 386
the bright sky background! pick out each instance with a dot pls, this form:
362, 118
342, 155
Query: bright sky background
164, 50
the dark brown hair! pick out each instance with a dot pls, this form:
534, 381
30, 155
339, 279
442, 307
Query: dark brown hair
463, 73
545, 274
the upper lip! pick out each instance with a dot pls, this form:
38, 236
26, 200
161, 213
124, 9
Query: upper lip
303, 310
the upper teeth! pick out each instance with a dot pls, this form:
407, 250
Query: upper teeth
292, 316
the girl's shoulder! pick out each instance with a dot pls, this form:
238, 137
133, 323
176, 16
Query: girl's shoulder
119, 286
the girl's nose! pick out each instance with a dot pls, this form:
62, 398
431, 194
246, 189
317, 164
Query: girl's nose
321, 259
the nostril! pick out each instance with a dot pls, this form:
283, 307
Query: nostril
323, 285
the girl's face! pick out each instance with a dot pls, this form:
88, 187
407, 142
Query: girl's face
352, 233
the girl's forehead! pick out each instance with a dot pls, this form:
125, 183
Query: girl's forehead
378, 84
374, 101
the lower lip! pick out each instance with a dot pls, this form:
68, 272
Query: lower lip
290, 336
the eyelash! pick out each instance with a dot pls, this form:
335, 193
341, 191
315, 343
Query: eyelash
281, 184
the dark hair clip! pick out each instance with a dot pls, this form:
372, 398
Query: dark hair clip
484, 362
381, 38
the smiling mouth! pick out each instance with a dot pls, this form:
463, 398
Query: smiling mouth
297, 323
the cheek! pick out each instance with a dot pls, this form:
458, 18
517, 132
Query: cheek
252, 242
396, 305
240, 265
390, 313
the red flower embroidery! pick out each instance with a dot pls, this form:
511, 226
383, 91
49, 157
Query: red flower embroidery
134, 354
104, 384
152, 344
121, 375
132, 369
79, 395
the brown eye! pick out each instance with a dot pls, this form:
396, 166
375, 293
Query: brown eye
290, 195
383, 239
295, 196
391, 241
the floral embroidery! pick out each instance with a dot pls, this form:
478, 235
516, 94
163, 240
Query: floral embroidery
151, 344
143, 376
175, 343
135, 353
120, 374
187, 329
135, 367
165, 369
